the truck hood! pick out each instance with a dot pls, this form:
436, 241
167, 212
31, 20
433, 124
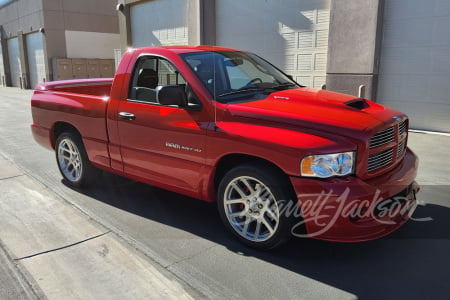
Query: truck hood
321, 110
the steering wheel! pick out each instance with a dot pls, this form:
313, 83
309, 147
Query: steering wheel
254, 80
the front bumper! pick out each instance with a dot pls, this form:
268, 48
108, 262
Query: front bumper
350, 209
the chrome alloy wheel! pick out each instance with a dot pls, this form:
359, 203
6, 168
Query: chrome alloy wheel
251, 208
69, 159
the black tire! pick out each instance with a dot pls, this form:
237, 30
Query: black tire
255, 214
72, 160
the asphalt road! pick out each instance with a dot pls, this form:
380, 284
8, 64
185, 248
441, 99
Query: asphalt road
186, 237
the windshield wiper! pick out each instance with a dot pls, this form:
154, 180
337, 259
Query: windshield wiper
239, 91
278, 87
283, 85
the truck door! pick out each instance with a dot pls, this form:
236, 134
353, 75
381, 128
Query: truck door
161, 144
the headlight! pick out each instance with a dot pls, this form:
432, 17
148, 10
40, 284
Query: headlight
328, 165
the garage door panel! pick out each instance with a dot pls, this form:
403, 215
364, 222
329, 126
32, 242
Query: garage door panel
2, 70
404, 89
412, 110
415, 62
441, 61
412, 32
392, 87
407, 9
417, 111
441, 34
417, 9
293, 36
408, 33
392, 9
406, 61
442, 7
440, 91
14, 61
159, 22
36, 58
415, 88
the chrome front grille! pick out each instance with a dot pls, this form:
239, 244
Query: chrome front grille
401, 148
402, 127
382, 138
379, 160
388, 146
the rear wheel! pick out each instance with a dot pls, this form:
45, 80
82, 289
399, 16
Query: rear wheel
251, 199
72, 160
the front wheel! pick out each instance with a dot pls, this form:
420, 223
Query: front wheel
72, 160
251, 202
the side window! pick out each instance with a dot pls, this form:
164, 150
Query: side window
149, 73
168, 74
145, 80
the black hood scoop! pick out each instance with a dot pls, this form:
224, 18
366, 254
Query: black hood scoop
357, 103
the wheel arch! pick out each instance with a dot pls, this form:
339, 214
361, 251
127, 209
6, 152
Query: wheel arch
60, 127
228, 162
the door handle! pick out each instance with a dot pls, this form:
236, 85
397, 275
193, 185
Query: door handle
127, 116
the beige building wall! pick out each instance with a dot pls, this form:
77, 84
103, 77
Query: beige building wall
16, 17
67, 26
81, 15
21, 15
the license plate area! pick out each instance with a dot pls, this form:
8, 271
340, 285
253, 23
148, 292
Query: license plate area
398, 206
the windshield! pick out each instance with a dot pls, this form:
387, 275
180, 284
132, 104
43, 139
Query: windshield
237, 76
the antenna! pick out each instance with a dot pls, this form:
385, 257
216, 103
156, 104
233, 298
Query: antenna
214, 91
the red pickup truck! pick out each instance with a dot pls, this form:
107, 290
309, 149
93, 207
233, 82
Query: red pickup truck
225, 125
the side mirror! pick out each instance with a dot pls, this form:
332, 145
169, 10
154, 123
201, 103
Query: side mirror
171, 95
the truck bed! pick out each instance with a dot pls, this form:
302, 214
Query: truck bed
80, 104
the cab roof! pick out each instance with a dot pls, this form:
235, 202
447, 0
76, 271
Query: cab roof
183, 49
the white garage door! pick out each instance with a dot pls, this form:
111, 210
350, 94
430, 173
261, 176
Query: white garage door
292, 35
415, 62
36, 58
159, 22
2, 69
14, 61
